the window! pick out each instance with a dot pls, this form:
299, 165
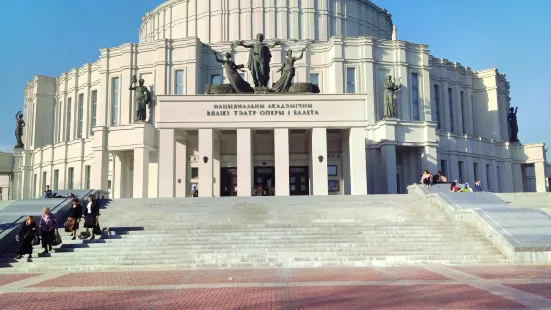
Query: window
55, 185
44, 183
437, 105
115, 102
463, 116
80, 113
179, 87
332, 170
415, 96
93, 111
498, 179
460, 168
34, 185
70, 175
87, 176
489, 176
216, 79
194, 173
109, 184
476, 175
351, 80
450, 103
443, 167
68, 123
315, 79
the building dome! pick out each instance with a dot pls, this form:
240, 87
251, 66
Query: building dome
220, 20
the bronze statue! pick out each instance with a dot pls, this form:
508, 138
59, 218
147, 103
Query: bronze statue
513, 125
143, 98
389, 94
19, 124
259, 60
288, 72
232, 71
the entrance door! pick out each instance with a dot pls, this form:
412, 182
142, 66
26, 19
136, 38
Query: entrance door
228, 182
264, 181
298, 181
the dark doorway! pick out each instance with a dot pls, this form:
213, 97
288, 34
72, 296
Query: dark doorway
298, 181
228, 182
264, 181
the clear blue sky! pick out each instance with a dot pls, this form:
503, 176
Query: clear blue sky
50, 37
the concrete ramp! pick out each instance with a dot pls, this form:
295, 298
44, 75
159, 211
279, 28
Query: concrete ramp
522, 234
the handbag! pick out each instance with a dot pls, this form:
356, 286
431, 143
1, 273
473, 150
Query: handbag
70, 224
97, 229
36, 239
57, 238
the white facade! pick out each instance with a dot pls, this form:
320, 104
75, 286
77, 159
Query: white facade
81, 131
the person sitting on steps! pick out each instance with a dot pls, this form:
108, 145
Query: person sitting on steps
439, 177
426, 178
48, 192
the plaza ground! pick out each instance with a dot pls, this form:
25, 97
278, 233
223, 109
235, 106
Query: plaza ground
397, 287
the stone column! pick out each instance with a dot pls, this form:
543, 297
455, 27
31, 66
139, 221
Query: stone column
100, 167
541, 180
430, 159
518, 183
167, 163
281, 154
141, 172
206, 152
117, 176
358, 169
318, 146
244, 162
454, 169
216, 173
180, 176
388, 154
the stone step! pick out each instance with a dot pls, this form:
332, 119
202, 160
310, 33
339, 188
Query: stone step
278, 239
252, 259
260, 235
100, 249
247, 255
299, 246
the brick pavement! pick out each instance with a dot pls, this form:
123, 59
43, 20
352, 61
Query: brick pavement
412, 287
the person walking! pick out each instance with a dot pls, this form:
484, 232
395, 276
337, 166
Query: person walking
91, 216
26, 237
73, 218
48, 228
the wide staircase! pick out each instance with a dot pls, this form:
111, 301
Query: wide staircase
266, 232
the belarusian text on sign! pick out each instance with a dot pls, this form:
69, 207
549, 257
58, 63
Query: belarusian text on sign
273, 109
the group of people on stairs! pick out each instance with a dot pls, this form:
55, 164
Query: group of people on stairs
47, 232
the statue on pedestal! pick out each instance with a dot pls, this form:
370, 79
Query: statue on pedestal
287, 72
389, 95
232, 72
513, 125
259, 60
143, 98
19, 124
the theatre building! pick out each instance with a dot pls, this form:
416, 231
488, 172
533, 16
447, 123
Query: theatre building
81, 129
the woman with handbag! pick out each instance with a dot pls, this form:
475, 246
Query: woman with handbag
91, 217
48, 228
73, 218
26, 236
